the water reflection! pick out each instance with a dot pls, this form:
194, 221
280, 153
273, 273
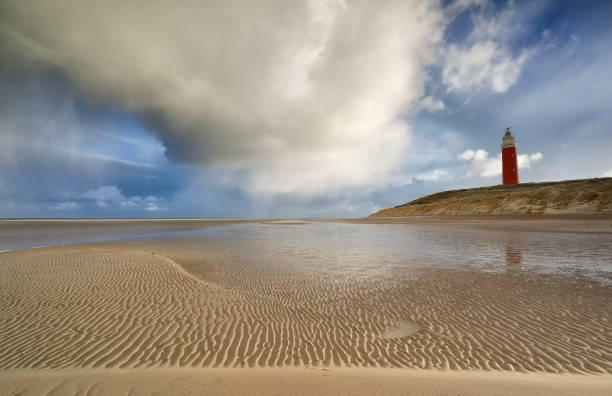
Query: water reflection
370, 249
514, 257
381, 249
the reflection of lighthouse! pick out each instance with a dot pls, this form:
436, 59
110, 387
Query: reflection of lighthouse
509, 159
514, 256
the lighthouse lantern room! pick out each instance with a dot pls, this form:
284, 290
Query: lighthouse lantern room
509, 159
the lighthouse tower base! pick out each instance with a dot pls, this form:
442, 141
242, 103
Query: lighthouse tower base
510, 166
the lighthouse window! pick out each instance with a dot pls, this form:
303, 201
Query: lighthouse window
512, 155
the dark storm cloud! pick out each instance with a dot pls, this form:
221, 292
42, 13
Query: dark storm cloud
306, 96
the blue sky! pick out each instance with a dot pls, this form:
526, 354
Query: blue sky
326, 109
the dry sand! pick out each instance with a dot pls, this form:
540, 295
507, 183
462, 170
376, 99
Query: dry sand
150, 317
287, 381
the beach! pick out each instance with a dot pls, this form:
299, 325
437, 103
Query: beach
433, 306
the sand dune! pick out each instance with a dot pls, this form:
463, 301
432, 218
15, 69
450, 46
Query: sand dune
131, 305
565, 197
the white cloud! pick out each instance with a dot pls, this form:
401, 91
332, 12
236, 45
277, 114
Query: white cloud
434, 175
152, 207
103, 194
299, 97
485, 65
112, 197
310, 97
480, 164
525, 160
461, 5
485, 61
69, 205
431, 104
607, 174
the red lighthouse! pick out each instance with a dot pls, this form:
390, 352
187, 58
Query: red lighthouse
509, 159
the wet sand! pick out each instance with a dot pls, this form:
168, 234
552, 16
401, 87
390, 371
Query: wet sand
25, 233
215, 314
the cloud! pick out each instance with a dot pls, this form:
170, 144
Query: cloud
431, 104
485, 62
434, 175
153, 207
607, 174
111, 197
461, 5
65, 206
525, 160
258, 118
478, 162
104, 193
485, 65
297, 97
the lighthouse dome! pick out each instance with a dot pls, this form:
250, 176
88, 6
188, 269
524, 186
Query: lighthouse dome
508, 140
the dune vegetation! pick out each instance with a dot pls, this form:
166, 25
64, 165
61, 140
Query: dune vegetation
564, 197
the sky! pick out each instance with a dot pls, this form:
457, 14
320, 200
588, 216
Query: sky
292, 109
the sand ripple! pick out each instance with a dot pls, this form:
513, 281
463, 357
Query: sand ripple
69, 307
